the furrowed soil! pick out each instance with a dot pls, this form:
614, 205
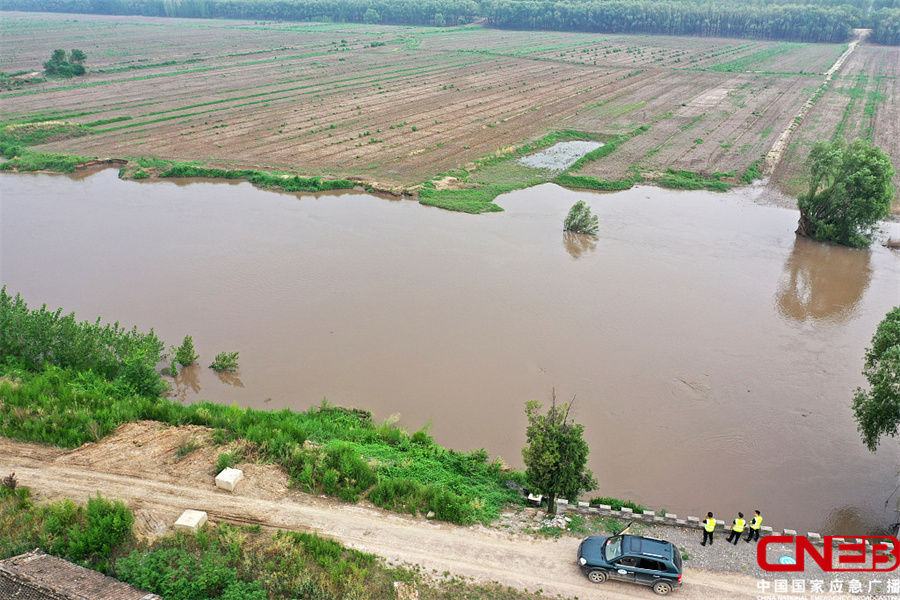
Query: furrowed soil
140, 465
398, 105
861, 102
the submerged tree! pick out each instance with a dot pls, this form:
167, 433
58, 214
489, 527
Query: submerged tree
580, 219
849, 191
556, 454
877, 410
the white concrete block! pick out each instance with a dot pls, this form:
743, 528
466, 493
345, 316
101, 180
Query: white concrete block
229, 478
191, 520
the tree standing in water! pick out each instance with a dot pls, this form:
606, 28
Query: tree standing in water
849, 191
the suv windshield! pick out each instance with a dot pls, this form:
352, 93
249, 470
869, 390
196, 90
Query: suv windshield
613, 548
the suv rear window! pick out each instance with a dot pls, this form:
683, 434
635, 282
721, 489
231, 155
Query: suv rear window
651, 565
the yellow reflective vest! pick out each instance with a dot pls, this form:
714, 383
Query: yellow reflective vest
709, 525
739, 525
756, 523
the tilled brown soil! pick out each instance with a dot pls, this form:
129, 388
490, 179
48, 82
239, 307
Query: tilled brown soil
394, 106
139, 465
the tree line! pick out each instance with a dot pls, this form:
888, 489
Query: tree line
792, 20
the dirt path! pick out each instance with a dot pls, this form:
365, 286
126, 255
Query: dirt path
130, 466
773, 157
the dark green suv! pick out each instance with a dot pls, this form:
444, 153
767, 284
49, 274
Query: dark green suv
632, 558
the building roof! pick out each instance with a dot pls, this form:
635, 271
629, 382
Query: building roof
39, 576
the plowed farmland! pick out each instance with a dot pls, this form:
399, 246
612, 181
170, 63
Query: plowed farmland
399, 105
863, 101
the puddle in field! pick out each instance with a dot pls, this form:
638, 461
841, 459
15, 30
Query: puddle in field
559, 157
712, 353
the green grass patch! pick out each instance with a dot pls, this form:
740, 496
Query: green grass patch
594, 183
752, 62
26, 160
107, 121
30, 134
260, 179
753, 172
690, 180
617, 504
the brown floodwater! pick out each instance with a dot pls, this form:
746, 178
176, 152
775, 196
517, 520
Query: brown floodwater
712, 354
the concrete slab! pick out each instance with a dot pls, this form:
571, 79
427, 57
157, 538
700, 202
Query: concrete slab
191, 520
229, 478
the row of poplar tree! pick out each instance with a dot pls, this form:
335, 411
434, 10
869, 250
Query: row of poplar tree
793, 20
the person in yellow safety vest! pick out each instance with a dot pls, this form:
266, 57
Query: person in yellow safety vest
737, 528
709, 525
755, 524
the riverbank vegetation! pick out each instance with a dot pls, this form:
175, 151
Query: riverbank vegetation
278, 181
66, 382
220, 562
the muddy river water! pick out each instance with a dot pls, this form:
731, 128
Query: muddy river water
712, 354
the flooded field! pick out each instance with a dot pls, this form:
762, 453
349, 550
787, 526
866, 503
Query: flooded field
559, 157
712, 354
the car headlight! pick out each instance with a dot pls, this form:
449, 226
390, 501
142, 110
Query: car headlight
582, 560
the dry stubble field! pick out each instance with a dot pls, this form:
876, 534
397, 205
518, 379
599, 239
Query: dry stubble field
398, 105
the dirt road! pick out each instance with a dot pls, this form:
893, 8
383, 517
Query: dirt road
138, 465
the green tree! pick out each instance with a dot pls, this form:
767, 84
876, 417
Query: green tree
556, 454
58, 56
849, 191
580, 219
439, 20
185, 354
372, 17
877, 410
77, 56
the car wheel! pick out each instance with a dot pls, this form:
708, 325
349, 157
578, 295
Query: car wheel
662, 588
597, 576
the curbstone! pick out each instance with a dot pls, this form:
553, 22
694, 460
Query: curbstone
790, 532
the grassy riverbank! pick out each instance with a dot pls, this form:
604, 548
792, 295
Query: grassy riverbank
65, 382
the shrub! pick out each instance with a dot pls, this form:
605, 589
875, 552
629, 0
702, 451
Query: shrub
185, 354
617, 504
225, 361
139, 377
580, 219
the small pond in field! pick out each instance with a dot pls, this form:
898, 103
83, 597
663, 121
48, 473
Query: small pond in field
559, 157
712, 353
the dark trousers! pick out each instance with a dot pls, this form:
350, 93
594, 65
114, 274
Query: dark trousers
752, 534
734, 537
707, 535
